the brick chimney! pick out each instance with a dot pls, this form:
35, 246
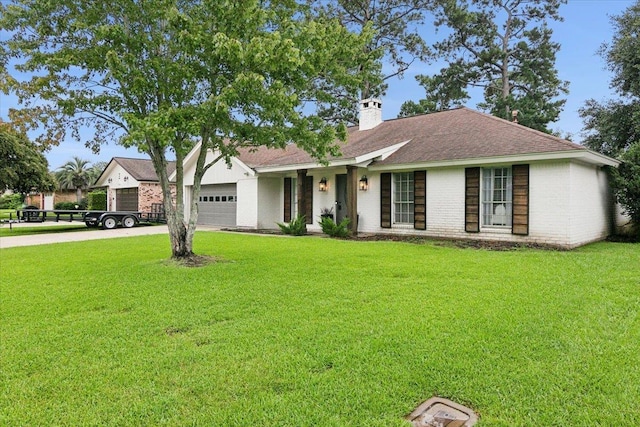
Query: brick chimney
370, 113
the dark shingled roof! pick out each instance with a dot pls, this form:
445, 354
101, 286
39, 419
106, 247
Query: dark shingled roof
456, 134
142, 169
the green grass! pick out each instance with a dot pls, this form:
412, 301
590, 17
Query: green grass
310, 331
6, 214
7, 231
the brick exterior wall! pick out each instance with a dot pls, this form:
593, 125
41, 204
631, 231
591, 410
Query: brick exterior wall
561, 212
58, 196
150, 193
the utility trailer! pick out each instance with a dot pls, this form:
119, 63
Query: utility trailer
105, 219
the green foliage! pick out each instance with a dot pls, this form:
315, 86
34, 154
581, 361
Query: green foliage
623, 53
97, 200
396, 42
612, 127
11, 201
317, 332
332, 229
626, 184
74, 175
297, 226
443, 91
159, 75
23, 167
504, 47
70, 206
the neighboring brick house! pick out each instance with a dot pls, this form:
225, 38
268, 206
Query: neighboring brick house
452, 174
49, 200
132, 185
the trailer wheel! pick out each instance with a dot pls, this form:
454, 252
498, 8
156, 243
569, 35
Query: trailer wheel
128, 221
109, 222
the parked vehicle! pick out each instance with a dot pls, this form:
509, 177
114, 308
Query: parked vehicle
104, 219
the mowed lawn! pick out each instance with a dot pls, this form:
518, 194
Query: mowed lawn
317, 332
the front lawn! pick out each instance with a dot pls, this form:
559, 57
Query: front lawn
316, 332
23, 230
7, 214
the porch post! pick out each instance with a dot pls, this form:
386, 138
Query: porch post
302, 187
352, 198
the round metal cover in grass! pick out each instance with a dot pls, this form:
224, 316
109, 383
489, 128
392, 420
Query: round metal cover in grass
439, 412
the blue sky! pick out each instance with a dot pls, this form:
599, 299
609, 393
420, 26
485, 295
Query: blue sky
586, 26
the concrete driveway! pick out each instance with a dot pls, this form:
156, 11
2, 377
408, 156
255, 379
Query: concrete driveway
75, 236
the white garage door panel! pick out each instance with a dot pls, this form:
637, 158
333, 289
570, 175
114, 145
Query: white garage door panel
217, 205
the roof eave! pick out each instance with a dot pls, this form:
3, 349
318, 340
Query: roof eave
361, 161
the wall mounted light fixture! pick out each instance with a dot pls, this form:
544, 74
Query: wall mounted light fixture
364, 183
322, 185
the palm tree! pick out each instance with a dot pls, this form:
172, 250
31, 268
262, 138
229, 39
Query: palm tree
74, 175
95, 171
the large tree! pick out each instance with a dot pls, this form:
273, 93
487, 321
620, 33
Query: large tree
74, 175
613, 127
503, 47
164, 74
23, 167
396, 25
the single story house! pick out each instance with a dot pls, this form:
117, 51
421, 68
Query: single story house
132, 185
451, 174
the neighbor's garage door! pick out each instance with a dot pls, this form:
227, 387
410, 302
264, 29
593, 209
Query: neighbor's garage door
127, 199
217, 205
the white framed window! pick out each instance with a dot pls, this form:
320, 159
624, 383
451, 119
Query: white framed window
497, 197
403, 198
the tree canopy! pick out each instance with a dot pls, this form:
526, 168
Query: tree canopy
395, 26
503, 47
23, 167
162, 75
613, 127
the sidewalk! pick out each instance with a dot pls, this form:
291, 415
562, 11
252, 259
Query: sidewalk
75, 236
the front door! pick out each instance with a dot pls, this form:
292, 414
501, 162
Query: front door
341, 198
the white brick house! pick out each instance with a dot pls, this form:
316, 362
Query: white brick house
453, 174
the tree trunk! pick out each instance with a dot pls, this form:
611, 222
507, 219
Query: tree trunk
181, 240
180, 236
78, 195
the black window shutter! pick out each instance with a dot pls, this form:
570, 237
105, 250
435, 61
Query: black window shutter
472, 200
287, 199
385, 200
420, 200
520, 211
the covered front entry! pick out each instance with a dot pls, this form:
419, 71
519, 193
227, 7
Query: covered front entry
217, 205
127, 199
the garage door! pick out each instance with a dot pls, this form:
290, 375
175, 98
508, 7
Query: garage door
217, 205
127, 199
